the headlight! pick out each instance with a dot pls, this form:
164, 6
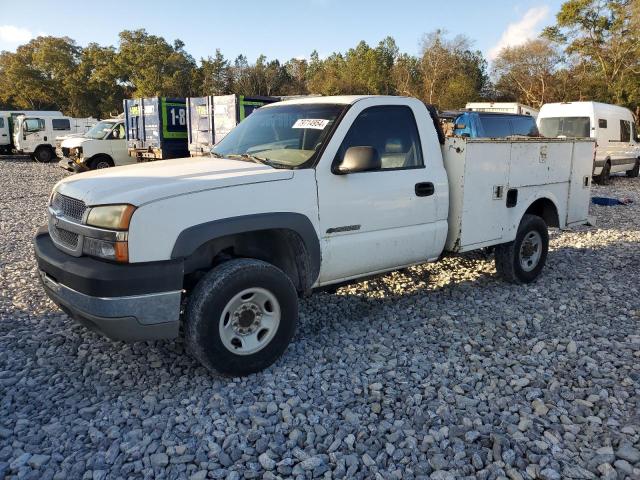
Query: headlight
113, 217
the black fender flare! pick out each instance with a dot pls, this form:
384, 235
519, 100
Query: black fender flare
190, 239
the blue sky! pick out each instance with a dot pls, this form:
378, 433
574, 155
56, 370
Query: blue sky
279, 29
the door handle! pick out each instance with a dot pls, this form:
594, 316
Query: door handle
425, 189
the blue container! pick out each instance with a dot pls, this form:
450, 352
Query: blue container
210, 118
156, 128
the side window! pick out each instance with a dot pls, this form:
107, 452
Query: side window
634, 132
602, 123
33, 124
625, 131
525, 126
392, 131
1, 122
496, 126
61, 124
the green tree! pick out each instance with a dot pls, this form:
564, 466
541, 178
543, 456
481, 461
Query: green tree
528, 73
216, 75
151, 66
602, 40
452, 73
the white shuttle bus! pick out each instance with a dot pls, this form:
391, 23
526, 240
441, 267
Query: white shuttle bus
613, 127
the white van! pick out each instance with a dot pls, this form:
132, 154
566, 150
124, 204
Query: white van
613, 127
36, 134
7, 121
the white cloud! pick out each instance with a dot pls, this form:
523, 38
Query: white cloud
519, 32
13, 36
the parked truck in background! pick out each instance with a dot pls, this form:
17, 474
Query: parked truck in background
103, 146
301, 195
502, 107
612, 127
8, 123
487, 124
156, 128
36, 135
211, 118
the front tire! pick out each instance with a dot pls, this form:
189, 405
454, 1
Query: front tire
43, 155
522, 260
100, 163
240, 317
635, 171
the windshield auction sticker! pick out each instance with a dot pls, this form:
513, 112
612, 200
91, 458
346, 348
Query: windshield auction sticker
316, 123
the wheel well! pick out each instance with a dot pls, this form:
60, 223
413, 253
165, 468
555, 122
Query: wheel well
545, 209
283, 248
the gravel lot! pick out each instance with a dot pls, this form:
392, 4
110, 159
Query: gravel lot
439, 371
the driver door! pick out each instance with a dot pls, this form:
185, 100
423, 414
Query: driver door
387, 218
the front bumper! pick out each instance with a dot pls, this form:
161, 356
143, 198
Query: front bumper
128, 302
71, 166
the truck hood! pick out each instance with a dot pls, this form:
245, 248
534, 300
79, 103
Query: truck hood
72, 142
147, 182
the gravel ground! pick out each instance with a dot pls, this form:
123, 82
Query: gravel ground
439, 371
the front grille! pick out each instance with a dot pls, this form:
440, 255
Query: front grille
68, 207
64, 237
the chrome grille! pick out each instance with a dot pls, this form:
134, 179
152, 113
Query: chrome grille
64, 237
68, 207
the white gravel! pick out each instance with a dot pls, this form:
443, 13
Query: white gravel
439, 371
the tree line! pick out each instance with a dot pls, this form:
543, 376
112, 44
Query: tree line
592, 52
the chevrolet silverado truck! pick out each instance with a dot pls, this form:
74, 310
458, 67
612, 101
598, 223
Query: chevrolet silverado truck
303, 195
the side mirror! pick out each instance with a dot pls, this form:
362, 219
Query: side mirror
358, 159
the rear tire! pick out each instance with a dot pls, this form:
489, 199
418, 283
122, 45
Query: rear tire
522, 260
240, 317
100, 163
605, 175
43, 155
635, 171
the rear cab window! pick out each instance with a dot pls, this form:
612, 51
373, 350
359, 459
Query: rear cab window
495, 126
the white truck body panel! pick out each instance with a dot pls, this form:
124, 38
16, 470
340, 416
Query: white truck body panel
605, 127
502, 107
482, 171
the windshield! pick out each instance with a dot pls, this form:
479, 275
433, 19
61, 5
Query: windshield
283, 135
565, 127
99, 130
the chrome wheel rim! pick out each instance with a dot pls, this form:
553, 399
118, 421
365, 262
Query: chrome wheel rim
530, 251
249, 321
102, 165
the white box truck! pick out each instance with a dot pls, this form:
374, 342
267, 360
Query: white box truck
36, 135
502, 107
7, 125
301, 195
612, 127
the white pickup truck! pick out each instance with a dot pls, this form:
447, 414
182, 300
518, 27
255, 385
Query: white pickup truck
303, 194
